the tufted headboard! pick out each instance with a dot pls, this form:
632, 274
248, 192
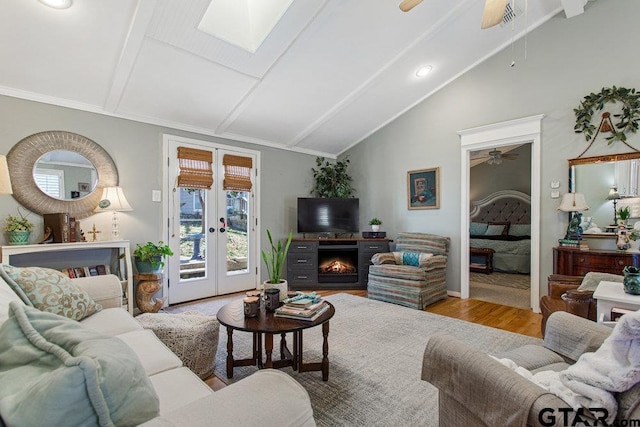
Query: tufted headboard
502, 206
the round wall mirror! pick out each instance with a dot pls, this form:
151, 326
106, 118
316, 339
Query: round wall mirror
56, 151
65, 175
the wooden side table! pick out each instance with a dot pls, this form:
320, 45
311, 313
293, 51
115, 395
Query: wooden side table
148, 285
612, 295
486, 256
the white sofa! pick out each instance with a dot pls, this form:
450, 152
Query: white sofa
268, 397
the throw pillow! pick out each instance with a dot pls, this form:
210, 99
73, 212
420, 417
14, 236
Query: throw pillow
49, 290
478, 228
505, 226
520, 230
414, 259
592, 280
54, 371
494, 230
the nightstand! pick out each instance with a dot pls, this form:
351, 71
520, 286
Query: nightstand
610, 295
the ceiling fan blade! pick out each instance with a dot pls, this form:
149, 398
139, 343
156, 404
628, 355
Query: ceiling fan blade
493, 13
407, 5
510, 156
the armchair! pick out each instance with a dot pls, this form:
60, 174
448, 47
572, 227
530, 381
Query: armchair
476, 390
573, 294
414, 275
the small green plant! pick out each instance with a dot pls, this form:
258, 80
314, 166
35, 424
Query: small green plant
275, 259
375, 221
624, 213
153, 253
17, 223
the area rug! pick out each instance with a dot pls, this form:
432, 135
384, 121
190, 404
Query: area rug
512, 297
518, 281
375, 356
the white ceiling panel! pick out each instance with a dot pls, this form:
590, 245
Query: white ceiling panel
175, 86
329, 74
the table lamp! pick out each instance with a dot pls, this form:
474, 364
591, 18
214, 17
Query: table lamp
615, 196
574, 203
113, 200
5, 180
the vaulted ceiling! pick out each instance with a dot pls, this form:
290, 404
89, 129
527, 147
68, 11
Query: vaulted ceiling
329, 74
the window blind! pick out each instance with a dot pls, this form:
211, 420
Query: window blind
195, 168
237, 172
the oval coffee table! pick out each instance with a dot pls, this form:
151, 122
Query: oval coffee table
266, 323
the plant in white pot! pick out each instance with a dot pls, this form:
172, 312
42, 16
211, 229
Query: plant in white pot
375, 224
18, 229
149, 258
274, 261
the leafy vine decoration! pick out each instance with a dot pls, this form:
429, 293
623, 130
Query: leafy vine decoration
627, 119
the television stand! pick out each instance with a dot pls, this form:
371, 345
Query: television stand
331, 263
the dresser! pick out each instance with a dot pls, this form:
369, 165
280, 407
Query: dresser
576, 262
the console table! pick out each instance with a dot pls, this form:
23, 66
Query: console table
576, 262
114, 253
306, 256
612, 295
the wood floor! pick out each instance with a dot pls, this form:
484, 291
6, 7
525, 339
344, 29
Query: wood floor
512, 319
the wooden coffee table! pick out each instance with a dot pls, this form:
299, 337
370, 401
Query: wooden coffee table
266, 323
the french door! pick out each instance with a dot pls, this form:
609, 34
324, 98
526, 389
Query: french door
212, 231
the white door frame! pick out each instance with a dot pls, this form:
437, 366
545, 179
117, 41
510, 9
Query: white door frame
527, 130
167, 189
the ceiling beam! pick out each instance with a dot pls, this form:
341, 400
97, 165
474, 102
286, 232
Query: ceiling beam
141, 19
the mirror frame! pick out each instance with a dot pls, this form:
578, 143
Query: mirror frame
23, 156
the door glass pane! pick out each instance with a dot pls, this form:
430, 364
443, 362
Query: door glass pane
237, 236
193, 261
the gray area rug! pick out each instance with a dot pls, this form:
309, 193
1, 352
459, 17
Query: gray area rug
375, 356
518, 281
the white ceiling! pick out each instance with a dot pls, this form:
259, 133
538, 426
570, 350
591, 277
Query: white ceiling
329, 74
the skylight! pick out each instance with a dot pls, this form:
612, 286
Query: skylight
244, 23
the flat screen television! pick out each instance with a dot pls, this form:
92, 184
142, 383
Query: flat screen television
328, 215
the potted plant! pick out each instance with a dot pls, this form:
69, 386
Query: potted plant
332, 179
375, 224
18, 229
275, 260
149, 258
624, 214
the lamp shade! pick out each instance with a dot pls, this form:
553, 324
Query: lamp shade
5, 181
613, 194
573, 202
113, 200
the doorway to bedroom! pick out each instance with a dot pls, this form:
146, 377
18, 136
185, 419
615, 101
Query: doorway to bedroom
500, 225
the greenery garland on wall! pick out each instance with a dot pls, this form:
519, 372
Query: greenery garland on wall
627, 119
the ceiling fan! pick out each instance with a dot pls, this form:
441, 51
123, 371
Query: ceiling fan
493, 11
495, 157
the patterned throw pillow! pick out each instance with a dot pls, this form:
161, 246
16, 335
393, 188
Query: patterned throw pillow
51, 291
415, 259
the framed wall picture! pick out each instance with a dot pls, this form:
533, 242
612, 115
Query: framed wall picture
84, 186
423, 189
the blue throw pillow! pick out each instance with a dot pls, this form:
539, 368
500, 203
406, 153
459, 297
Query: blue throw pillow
478, 228
411, 258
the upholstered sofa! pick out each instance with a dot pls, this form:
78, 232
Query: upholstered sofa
414, 275
107, 370
477, 390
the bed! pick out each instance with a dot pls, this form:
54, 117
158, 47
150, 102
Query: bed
502, 222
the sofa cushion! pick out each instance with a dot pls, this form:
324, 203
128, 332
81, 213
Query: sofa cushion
54, 371
49, 290
406, 272
155, 356
112, 322
178, 387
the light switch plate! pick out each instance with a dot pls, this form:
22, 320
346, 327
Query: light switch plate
555, 194
555, 184
156, 196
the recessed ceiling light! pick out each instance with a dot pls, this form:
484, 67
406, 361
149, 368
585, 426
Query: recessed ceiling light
423, 71
57, 4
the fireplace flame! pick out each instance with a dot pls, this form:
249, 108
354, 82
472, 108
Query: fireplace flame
337, 267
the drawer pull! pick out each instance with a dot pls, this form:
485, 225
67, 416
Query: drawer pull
301, 261
303, 247
303, 277
581, 260
374, 247
620, 262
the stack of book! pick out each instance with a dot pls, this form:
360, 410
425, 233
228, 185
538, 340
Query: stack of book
573, 243
302, 307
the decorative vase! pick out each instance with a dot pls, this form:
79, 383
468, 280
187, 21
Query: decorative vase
375, 227
283, 286
18, 237
146, 266
631, 280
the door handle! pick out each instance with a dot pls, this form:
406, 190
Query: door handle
212, 229
223, 221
